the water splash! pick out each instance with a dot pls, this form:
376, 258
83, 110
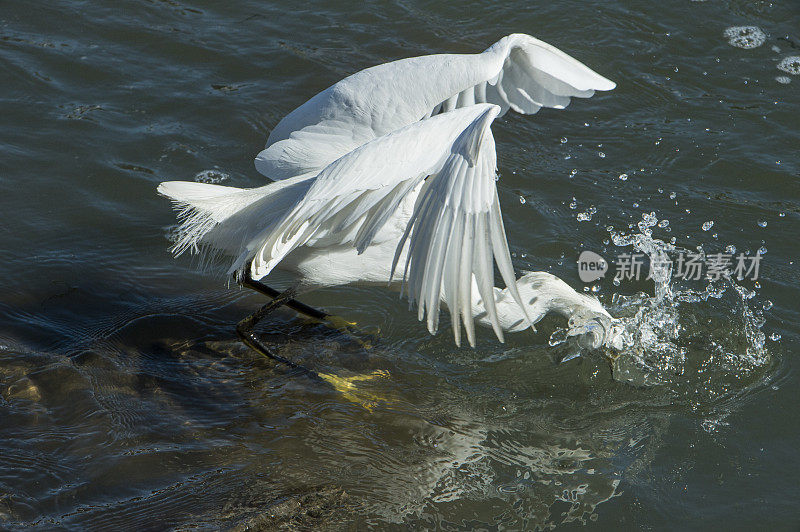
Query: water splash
687, 331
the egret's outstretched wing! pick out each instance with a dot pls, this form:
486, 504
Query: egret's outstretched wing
518, 72
456, 231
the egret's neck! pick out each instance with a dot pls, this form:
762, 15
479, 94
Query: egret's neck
541, 293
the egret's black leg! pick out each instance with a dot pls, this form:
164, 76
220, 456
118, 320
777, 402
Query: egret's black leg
297, 306
344, 385
336, 322
245, 331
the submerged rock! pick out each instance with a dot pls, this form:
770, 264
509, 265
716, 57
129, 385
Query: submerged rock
23, 389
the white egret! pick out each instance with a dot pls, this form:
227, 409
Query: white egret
395, 166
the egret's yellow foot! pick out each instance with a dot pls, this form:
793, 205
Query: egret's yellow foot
340, 323
347, 387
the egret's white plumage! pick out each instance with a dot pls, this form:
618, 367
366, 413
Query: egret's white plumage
395, 166
518, 72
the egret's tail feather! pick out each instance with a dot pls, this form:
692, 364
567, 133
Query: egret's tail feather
215, 220
200, 208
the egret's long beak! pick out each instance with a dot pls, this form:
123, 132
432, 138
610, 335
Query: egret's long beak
590, 331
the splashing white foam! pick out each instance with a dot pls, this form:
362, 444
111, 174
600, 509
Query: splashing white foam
211, 177
790, 65
745, 36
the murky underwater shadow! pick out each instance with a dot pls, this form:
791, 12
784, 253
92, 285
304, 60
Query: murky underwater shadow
156, 416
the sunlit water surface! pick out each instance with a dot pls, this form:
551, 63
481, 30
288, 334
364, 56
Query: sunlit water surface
126, 401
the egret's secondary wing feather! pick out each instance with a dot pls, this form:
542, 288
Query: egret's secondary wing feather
455, 234
347, 192
517, 72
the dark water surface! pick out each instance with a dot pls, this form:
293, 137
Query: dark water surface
126, 401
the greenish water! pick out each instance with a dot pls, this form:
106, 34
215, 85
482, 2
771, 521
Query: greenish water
126, 401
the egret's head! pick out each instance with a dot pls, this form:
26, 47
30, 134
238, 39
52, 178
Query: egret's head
594, 330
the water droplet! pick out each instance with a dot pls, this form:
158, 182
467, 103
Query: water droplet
563, 140
730, 249
522, 200
584, 217
707, 225
573, 173
601, 155
672, 195
745, 36
623, 177
774, 337
762, 250
767, 304
783, 80
762, 223
663, 223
